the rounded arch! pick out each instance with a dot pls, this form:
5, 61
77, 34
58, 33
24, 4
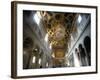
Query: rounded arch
87, 44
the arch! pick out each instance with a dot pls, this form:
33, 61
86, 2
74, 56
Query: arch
87, 44
82, 55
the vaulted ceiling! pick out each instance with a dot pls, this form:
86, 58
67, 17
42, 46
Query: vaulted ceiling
59, 27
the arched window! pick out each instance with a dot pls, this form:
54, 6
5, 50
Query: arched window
39, 61
34, 59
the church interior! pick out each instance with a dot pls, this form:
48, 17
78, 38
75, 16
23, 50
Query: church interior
56, 39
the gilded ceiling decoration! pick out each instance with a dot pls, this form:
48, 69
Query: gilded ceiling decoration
59, 27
